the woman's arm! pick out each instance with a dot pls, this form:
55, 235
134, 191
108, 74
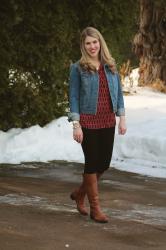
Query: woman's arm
74, 102
121, 110
74, 93
122, 125
77, 132
120, 99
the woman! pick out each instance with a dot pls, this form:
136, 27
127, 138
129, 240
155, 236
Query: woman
95, 97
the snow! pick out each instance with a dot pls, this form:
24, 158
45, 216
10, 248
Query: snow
142, 150
131, 81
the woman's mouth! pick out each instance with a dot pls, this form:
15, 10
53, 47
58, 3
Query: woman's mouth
92, 51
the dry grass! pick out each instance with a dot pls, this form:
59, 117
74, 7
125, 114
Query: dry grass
158, 85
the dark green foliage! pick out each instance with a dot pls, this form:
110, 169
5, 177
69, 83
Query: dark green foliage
35, 45
116, 20
38, 39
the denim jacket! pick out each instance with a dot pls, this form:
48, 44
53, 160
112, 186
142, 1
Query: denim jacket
84, 89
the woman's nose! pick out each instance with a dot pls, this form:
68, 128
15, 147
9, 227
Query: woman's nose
92, 46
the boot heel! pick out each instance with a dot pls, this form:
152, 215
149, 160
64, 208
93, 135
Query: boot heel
79, 199
91, 216
72, 197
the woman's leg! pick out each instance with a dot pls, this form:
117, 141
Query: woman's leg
90, 148
79, 196
91, 185
105, 149
106, 138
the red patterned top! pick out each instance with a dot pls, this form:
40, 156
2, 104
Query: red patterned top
104, 118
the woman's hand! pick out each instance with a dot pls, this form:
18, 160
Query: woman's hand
78, 134
122, 125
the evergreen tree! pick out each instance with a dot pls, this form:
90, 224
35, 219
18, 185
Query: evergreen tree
38, 41
116, 20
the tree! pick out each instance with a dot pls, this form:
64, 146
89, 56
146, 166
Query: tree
150, 41
116, 20
38, 41
35, 49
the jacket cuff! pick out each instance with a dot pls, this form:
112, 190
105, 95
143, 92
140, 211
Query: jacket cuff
73, 117
120, 112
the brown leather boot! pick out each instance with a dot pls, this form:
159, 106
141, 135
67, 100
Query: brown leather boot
91, 187
79, 196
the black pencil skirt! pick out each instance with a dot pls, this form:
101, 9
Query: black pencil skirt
97, 147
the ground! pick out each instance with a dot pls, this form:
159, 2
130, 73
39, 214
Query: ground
36, 212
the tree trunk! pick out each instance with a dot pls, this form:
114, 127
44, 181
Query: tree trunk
149, 43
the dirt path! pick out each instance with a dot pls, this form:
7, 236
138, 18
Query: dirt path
36, 212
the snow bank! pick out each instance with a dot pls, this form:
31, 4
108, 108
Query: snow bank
142, 150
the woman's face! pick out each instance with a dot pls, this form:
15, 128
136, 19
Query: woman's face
92, 46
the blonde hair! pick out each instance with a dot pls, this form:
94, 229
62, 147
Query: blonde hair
104, 54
